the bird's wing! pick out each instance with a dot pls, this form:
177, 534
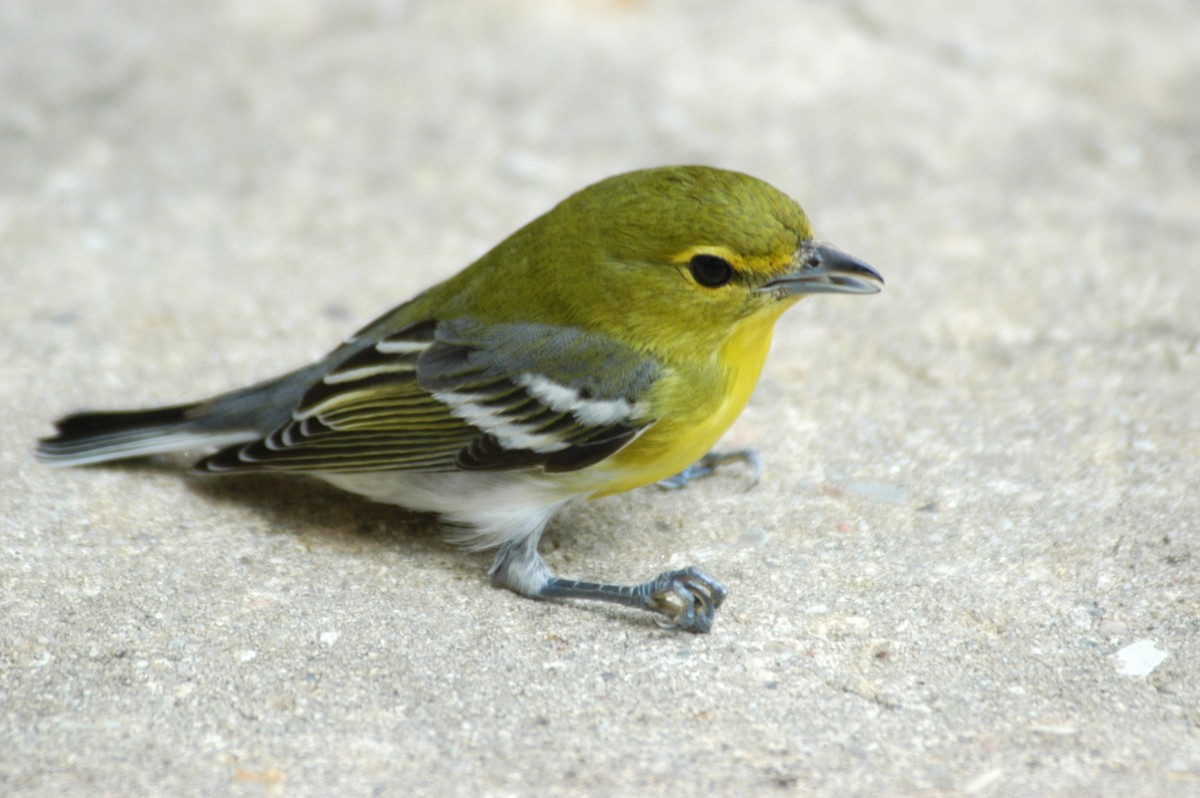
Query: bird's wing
460, 394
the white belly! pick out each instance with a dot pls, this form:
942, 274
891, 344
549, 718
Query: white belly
485, 508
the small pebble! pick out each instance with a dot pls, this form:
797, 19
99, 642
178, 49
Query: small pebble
1139, 658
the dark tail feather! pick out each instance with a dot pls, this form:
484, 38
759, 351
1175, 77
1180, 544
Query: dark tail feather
237, 417
98, 437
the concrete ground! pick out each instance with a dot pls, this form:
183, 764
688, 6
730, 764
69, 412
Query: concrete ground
970, 567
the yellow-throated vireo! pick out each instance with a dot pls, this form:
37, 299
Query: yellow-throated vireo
606, 345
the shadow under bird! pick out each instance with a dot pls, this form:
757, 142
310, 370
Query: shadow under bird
606, 345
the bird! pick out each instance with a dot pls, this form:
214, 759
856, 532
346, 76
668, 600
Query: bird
605, 345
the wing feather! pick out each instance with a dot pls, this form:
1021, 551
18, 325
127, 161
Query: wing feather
461, 395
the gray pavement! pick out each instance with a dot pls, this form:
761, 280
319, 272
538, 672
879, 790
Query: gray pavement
977, 532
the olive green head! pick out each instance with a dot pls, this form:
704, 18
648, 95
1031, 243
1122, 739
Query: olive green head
680, 252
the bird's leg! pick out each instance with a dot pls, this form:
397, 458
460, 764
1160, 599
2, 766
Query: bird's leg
686, 599
707, 464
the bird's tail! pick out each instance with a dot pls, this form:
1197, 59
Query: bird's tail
236, 417
95, 437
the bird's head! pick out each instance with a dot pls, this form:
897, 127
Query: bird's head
681, 253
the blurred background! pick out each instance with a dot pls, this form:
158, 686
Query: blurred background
980, 484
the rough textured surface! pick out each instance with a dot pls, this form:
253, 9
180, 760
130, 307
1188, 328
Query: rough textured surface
980, 486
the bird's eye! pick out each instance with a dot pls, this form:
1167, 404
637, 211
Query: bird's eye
711, 271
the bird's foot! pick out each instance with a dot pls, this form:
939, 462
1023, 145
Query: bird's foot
687, 599
708, 464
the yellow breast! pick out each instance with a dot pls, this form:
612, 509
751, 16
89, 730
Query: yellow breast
696, 402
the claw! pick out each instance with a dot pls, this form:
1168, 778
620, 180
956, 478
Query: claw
707, 464
688, 599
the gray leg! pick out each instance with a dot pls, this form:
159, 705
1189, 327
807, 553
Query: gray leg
708, 464
686, 599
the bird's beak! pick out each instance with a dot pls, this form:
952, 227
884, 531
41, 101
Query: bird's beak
820, 269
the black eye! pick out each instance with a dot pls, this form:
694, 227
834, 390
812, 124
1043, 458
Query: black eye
711, 271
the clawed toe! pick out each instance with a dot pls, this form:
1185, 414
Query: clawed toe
687, 599
707, 464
